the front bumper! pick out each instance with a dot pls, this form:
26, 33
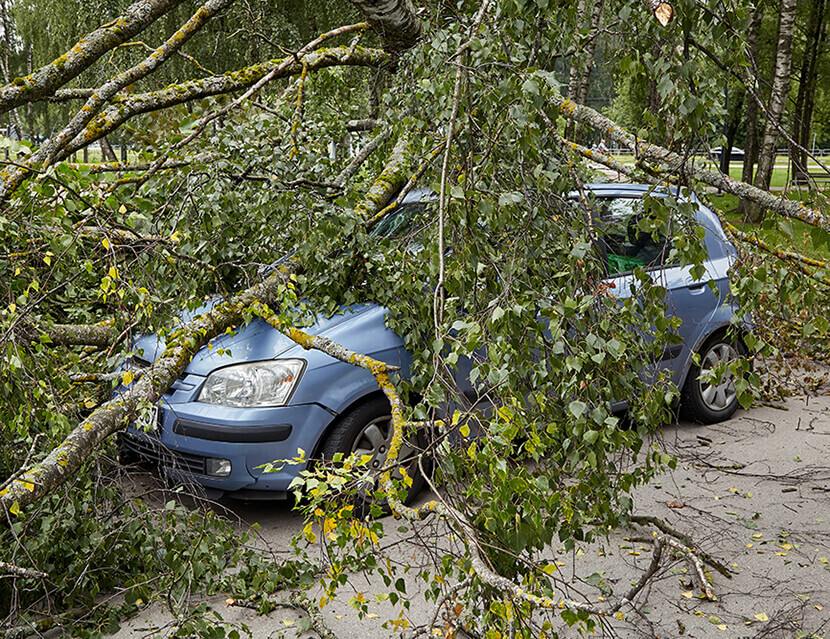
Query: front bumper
184, 437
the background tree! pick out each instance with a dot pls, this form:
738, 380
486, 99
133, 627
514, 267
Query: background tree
815, 43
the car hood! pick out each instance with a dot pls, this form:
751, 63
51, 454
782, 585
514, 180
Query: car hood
252, 342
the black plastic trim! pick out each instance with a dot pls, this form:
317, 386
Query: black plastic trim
232, 434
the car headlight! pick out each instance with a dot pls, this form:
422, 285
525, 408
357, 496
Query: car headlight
250, 385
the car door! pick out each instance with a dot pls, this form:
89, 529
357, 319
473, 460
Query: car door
693, 300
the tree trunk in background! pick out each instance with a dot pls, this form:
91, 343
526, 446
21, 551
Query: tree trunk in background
30, 109
579, 79
732, 124
751, 140
5, 63
107, 154
805, 102
779, 92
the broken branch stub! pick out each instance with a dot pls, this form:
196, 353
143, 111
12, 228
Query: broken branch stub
394, 21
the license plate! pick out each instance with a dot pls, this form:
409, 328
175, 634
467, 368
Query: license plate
148, 422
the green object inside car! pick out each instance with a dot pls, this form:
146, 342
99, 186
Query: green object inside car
622, 263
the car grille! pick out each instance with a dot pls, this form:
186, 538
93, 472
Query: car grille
163, 456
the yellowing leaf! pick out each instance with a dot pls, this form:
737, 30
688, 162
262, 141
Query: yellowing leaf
688, 594
128, 378
721, 626
464, 430
288, 622
786, 546
762, 616
106, 243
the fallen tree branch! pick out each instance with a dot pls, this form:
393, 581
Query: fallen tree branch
123, 167
299, 600
45, 81
662, 526
17, 571
801, 262
368, 124
437, 507
96, 335
54, 146
361, 157
65, 460
680, 166
297, 58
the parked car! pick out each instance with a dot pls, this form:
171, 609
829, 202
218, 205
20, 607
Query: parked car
735, 154
256, 396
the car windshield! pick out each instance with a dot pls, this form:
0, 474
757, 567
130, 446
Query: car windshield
626, 246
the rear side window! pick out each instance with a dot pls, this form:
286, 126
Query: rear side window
622, 241
407, 222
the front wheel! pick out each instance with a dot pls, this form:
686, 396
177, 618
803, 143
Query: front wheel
708, 398
367, 430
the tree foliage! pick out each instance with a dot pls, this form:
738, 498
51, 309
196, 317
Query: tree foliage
502, 273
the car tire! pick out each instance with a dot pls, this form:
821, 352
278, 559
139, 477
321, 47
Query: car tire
701, 400
367, 429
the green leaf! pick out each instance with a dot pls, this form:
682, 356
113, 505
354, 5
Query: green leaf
577, 408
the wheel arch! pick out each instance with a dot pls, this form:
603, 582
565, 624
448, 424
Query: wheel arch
356, 401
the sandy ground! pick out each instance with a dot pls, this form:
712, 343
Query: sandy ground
753, 492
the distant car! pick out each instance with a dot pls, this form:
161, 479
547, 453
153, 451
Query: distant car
735, 154
256, 396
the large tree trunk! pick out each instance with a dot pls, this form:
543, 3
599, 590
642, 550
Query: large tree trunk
779, 92
805, 102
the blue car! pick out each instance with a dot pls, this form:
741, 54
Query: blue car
256, 396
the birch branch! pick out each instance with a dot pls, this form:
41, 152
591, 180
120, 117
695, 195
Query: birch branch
51, 149
669, 162
65, 460
45, 81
